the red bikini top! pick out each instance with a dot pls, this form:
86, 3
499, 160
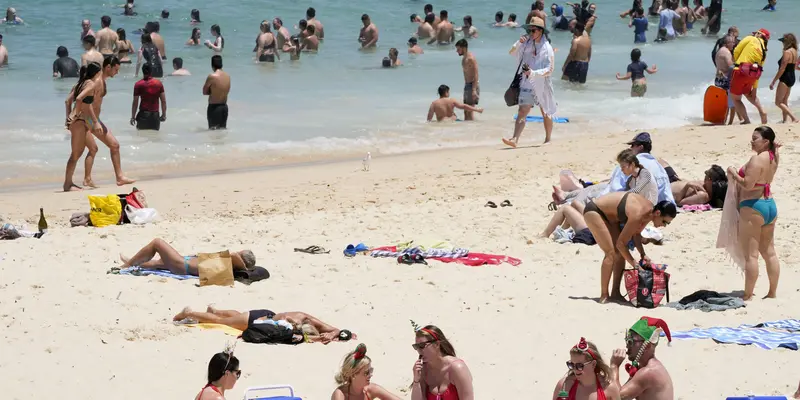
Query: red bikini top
214, 388
766, 186
450, 394
573, 391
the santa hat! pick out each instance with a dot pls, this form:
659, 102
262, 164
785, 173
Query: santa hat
651, 328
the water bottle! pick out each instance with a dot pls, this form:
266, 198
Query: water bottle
366, 161
562, 395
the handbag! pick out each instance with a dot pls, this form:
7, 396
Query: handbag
512, 93
646, 286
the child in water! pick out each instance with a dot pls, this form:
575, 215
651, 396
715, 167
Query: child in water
636, 70
639, 23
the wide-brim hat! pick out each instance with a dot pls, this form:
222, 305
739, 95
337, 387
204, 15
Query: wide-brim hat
537, 22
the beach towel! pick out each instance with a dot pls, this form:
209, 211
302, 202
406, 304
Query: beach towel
136, 271
696, 207
791, 325
224, 328
478, 259
760, 337
728, 236
392, 251
709, 304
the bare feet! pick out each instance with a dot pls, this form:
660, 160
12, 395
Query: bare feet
183, 314
89, 183
747, 298
124, 260
510, 143
72, 188
558, 195
211, 309
771, 296
122, 181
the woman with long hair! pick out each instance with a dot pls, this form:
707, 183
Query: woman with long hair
786, 76
711, 190
81, 119
223, 373
354, 378
194, 39
219, 41
586, 369
438, 374
757, 210
124, 47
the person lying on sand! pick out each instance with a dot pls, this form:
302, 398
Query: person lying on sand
174, 262
588, 374
308, 324
711, 190
354, 378
614, 220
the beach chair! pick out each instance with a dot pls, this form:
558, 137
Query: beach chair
758, 398
257, 393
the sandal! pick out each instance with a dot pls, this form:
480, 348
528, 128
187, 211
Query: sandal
505, 203
313, 250
552, 206
490, 205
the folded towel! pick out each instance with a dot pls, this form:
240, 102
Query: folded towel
763, 338
145, 272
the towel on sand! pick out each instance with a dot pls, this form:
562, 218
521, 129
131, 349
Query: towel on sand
219, 327
761, 337
710, 304
791, 325
136, 271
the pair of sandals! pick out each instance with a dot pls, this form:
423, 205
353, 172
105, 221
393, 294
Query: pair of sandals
410, 259
505, 203
313, 250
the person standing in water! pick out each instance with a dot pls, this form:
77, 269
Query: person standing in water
219, 41
472, 89
64, 66
217, 87
666, 31
147, 93
724, 62
158, 40
468, 30
425, 29
576, 66
266, 44
106, 38
444, 107
636, 70
535, 54
124, 47
413, 47
640, 24
148, 53
177, 66
368, 36
445, 33
86, 27
91, 55
282, 35
311, 18
785, 75
11, 17
714, 12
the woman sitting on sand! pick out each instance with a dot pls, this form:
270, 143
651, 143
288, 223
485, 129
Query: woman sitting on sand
580, 383
354, 379
757, 210
223, 373
174, 262
438, 374
710, 191
301, 322
631, 212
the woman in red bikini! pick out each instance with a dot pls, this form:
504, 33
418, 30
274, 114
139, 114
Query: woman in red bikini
354, 379
438, 374
223, 373
588, 374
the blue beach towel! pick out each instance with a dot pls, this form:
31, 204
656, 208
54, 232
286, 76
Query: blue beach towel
136, 271
791, 325
538, 118
763, 338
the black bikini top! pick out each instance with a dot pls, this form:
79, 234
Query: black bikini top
88, 100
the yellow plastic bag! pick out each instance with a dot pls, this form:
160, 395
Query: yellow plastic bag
105, 210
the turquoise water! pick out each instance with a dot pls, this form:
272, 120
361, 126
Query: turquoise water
337, 103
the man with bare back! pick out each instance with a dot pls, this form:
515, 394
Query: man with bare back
368, 36
311, 18
217, 87
282, 35
576, 66
425, 29
91, 55
106, 38
158, 40
649, 379
445, 33
469, 64
444, 107
428, 9
537, 10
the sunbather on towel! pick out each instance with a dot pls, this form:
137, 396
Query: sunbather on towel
711, 190
174, 262
316, 330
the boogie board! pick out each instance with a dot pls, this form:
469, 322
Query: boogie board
715, 105
538, 118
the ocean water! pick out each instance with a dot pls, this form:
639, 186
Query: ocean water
338, 103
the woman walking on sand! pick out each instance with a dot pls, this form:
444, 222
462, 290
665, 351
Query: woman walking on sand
536, 57
354, 378
438, 374
81, 119
757, 213
786, 76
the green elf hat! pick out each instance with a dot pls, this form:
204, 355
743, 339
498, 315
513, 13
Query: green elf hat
650, 329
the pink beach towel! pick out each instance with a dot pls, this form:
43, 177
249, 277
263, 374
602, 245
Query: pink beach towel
696, 207
478, 259
728, 236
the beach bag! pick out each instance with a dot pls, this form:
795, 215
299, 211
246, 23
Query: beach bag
141, 216
512, 93
267, 334
215, 268
105, 210
136, 199
646, 286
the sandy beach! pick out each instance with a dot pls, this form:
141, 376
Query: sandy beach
70, 328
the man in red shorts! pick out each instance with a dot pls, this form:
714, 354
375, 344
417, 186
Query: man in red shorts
749, 56
150, 91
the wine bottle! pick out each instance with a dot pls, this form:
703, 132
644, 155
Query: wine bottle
42, 221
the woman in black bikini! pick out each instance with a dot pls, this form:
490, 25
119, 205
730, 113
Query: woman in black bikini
81, 119
615, 219
265, 44
786, 76
354, 378
223, 373
125, 47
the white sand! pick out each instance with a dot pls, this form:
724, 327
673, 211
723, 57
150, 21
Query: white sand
69, 328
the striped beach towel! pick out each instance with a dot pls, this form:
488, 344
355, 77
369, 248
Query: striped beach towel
136, 271
764, 338
791, 325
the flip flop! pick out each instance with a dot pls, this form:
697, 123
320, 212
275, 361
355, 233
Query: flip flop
313, 250
351, 251
505, 203
490, 205
552, 206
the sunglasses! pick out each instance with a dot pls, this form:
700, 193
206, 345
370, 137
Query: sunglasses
369, 371
578, 366
422, 345
629, 340
238, 373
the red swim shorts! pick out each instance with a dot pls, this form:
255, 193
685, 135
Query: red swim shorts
742, 84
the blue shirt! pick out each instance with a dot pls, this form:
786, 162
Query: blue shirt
619, 180
665, 21
639, 27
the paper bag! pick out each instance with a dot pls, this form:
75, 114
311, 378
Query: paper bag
215, 268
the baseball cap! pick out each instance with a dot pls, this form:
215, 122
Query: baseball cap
643, 137
765, 33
